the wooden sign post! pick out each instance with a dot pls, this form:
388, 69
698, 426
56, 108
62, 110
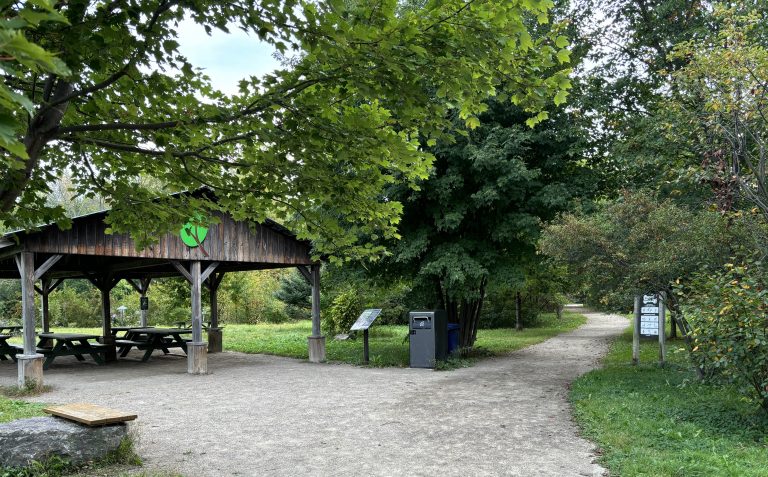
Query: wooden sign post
649, 322
364, 321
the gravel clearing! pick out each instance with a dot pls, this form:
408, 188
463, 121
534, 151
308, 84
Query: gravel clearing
264, 415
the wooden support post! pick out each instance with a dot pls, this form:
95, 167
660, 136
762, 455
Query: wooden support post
636, 331
45, 287
107, 338
30, 364
365, 347
197, 352
662, 329
215, 338
144, 289
317, 340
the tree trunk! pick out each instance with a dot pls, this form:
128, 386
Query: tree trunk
41, 129
518, 312
467, 314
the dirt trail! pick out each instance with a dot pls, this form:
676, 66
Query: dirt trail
263, 415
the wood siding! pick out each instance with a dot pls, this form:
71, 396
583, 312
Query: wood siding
227, 241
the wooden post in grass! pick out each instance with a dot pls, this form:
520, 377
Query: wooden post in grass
636, 331
662, 329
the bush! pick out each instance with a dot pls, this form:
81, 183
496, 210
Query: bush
728, 315
343, 312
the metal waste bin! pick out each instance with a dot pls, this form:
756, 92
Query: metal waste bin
453, 337
428, 337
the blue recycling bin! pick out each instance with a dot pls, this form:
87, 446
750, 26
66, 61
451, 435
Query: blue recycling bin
453, 337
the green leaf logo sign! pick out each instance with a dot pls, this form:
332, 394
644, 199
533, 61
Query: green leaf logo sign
193, 236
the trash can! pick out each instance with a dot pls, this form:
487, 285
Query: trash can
428, 338
453, 337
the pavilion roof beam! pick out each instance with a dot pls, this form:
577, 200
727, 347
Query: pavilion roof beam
42, 269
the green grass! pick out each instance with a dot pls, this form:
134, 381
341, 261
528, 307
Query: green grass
11, 409
652, 421
388, 344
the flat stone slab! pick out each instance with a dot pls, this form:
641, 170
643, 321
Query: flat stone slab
89, 414
40, 438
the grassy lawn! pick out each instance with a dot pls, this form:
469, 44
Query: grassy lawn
650, 421
388, 344
11, 409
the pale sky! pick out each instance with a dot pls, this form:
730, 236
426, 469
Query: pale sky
225, 58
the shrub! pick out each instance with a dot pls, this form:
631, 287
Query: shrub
728, 314
343, 312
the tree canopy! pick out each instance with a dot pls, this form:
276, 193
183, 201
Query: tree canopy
100, 90
478, 218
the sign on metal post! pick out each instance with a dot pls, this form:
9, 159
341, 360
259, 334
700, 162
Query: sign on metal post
364, 321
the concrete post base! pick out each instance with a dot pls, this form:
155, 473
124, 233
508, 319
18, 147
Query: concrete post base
316, 349
197, 358
215, 340
30, 370
111, 353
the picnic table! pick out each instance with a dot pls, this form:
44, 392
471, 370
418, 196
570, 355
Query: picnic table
151, 339
126, 329
10, 329
69, 344
8, 350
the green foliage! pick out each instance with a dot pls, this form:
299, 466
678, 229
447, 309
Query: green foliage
664, 422
313, 144
719, 103
19, 56
10, 301
475, 222
541, 291
295, 291
727, 312
75, 304
343, 312
639, 243
249, 297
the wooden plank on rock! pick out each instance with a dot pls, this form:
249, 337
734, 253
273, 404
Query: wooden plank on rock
90, 414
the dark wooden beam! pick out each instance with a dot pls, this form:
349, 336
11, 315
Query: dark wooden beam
208, 270
182, 270
305, 273
46, 266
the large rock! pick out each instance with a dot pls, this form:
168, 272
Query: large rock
39, 438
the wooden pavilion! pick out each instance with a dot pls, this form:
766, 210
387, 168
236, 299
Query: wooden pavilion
49, 256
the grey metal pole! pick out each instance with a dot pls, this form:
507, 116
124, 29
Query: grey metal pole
636, 331
662, 329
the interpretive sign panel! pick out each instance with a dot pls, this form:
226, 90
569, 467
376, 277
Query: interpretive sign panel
366, 319
649, 316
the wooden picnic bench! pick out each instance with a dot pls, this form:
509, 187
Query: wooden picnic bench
10, 329
7, 350
70, 344
151, 339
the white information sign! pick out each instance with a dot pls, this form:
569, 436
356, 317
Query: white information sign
649, 316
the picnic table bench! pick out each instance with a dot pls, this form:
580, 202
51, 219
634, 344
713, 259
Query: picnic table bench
7, 350
151, 339
10, 329
70, 344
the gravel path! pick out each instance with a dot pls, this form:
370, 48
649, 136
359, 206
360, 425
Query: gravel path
264, 415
